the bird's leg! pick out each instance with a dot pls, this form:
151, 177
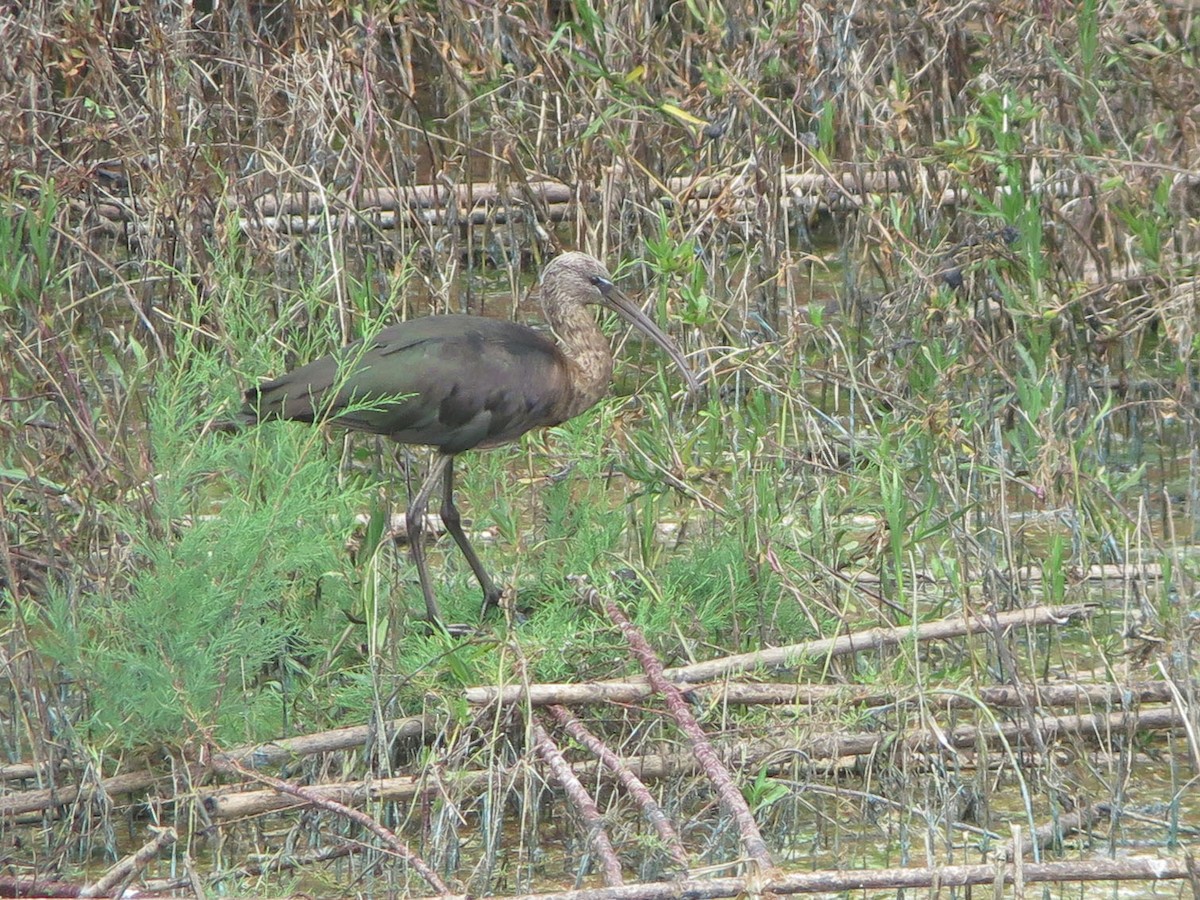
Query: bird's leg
415, 520
453, 522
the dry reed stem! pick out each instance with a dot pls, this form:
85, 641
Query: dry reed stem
127, 869
728, 794
876, 639
313, 798
637, 789
745, 693
1101, 729
1135, 869
578, 797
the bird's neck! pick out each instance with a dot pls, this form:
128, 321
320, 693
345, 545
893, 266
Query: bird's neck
587, 353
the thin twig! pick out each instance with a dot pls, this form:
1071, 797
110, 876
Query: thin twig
634, 785
389, 838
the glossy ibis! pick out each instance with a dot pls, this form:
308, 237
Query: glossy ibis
460, 382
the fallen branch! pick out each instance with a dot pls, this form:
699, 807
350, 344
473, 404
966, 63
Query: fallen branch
874, 639
48, 798
846, 880
1092, 728
489, 202
228, 804
308, 211
735, 693
555, 212
1052, 833
35, 887
752, 756
281, 861
125, 870
272, 753
421, 196
1099, 572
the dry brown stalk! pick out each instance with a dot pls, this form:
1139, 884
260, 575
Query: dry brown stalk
745, 693
728, 794
578, 796
1098, 572
15, 804
634, 785
33, 887
1052, 833
875, 639
750, 755
314, 798
268, 754
227, 804
1151, 869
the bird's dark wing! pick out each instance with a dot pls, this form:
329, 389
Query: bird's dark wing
453, 382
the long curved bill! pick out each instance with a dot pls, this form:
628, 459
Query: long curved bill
618, 302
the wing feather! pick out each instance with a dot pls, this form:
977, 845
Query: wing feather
453, 382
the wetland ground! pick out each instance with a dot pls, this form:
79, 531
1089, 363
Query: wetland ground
937, 263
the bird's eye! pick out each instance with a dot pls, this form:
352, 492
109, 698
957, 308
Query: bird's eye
602, 283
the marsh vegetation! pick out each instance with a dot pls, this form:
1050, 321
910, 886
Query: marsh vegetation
922, 560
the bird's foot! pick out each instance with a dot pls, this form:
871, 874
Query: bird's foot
461, 630
491, 600
453, 630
